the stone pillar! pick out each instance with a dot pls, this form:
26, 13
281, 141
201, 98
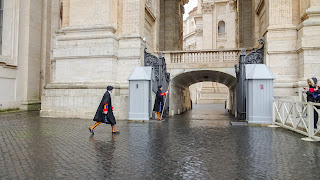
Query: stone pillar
65, 13
171, 25
232, 26
132, 17
131, 39
131, 49
30, 52
11, 64
199, 35
280, 45
309, 41
90, 12
246, 22
207, 10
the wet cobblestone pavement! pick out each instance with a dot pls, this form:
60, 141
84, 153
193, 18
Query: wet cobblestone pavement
199, 144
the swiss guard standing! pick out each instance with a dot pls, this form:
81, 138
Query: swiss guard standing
104, 112
158, 103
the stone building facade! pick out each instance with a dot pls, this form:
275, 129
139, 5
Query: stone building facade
63, 53
210, 25
99, 43
20, 54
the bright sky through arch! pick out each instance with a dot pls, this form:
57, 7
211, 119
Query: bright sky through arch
188, 7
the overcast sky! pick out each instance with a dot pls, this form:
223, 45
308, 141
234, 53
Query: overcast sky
188, 7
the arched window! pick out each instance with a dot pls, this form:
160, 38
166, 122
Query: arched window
221, 27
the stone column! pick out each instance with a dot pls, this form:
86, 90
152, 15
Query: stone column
309, 41
89, 12
246, 23
207, 10
11, 64
171, 23
65, 13
199, 35
131, 46
131, 38
280, 45
30, 52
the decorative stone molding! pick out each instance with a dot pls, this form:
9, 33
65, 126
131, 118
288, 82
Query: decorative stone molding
150, 13
88, 28
207, 7
199, 32
233, 5
259, 7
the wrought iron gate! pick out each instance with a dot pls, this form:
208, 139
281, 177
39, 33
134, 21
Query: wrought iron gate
254, 57
160, 74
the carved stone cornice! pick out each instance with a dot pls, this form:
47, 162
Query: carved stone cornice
207, 7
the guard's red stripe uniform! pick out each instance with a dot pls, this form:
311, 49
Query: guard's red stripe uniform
163, 94
105, 108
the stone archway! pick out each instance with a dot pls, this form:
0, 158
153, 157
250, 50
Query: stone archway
180, 96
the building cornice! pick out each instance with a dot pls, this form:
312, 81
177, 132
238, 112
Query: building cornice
189, 34
150, 13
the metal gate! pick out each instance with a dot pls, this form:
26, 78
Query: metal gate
254, 57
160, 74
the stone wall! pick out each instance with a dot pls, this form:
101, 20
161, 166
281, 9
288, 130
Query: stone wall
208, 93
308, 42
171, 25
181, 101
80, 47
97, 43
20, 57
246, 24
81, 102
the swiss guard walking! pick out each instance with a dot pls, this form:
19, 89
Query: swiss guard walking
159, 102
104, 112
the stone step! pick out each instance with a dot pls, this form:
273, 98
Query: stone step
239, 123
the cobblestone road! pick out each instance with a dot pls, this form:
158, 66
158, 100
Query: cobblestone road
199, 144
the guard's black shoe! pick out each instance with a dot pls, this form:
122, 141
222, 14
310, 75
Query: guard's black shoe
91, 131
115, 132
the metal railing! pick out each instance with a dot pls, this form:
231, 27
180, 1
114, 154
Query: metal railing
202, 56
296, 116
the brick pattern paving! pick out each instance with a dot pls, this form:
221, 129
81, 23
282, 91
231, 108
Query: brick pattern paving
199, 144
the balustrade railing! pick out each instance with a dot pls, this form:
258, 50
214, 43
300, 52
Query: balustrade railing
222, 35
180, 57
296, 116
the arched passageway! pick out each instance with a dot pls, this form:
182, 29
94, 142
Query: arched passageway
180, 100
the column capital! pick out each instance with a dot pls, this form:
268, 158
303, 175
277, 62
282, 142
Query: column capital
207, 7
